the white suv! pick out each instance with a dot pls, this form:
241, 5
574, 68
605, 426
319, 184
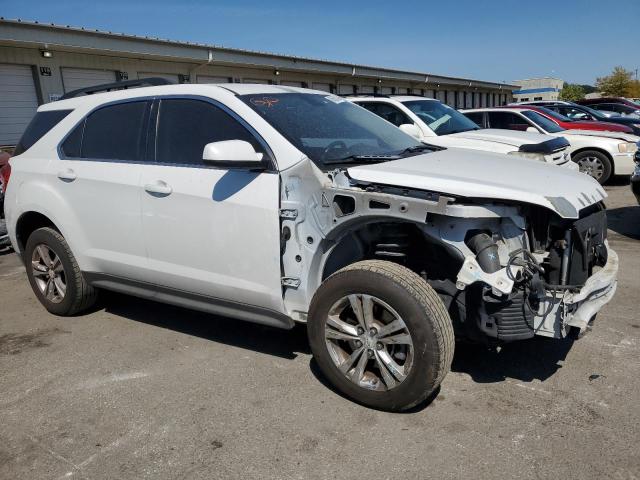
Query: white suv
279, 205
433, 122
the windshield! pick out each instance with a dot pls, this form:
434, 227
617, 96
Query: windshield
440, 118
543, 122
329, 129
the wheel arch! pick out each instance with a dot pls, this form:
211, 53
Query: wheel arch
30, 221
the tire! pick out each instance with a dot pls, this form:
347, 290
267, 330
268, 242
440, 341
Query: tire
595, 164
62, 269
392, 290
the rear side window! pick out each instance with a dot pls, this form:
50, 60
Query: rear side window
115, 132
39, 126
476, 117
388, 112
508, 121
185, 126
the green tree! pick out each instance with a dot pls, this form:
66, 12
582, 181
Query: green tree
571, 92
617, 84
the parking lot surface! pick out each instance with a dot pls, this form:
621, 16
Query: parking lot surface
136, 389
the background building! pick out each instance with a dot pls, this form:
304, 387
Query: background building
40, 62
533, 89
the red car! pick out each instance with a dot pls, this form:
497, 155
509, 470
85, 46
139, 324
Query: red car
569, 124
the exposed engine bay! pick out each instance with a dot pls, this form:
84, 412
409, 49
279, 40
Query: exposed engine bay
506, 271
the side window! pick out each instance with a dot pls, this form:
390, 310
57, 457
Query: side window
388, 112
186, 126
73, 142
508, 121
574, 113
477, 117
115, 132
39, 126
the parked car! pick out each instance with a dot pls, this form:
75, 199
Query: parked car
620, 105
599, 154
584, 113
433, 122
280, 205
569, 124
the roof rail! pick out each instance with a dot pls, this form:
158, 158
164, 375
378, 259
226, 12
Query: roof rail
107, 87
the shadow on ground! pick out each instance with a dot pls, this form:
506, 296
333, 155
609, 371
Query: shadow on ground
625, 221
535, 359
272, 341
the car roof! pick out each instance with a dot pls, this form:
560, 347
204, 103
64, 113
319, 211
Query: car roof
397, 98
179, 89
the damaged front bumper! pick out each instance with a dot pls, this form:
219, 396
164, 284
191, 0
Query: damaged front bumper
560, 311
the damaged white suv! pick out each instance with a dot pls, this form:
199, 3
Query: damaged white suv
279, 205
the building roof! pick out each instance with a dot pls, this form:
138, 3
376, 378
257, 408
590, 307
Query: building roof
67, 38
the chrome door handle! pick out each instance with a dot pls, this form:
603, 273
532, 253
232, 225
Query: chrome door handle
158, 188
67, 175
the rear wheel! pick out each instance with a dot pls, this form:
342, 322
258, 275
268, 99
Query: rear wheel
381, 335
54, 274
594, 164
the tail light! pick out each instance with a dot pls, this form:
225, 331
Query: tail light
5, 173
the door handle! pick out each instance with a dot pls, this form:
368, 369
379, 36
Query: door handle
67, 175
158, 188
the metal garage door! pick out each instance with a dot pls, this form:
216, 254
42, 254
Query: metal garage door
366, 89
325, 87
386, 90
255, 80
74, 78
18, 101
172, 77
346, 89
291, 84
209, 79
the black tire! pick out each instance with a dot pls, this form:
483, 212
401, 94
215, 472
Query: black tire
592, 156
79, 294
423, 313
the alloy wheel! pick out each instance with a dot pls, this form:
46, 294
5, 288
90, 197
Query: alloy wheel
48, 273
369, 342
592, 166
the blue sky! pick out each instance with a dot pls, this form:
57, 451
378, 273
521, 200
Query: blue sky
498, 40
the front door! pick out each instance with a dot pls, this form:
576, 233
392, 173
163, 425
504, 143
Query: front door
209, 231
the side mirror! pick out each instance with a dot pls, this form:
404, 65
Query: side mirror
232, 154
532, 130
411, 129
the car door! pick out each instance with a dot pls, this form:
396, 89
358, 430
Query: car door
210, 231
98, 174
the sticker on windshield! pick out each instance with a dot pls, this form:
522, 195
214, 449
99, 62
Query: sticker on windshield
264, 101
335, 99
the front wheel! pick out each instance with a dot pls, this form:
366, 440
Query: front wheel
594, 164
381, 335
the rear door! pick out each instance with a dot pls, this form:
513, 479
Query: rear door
99, 175
210, 231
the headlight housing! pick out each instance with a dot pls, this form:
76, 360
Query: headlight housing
627, 147
530, 155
